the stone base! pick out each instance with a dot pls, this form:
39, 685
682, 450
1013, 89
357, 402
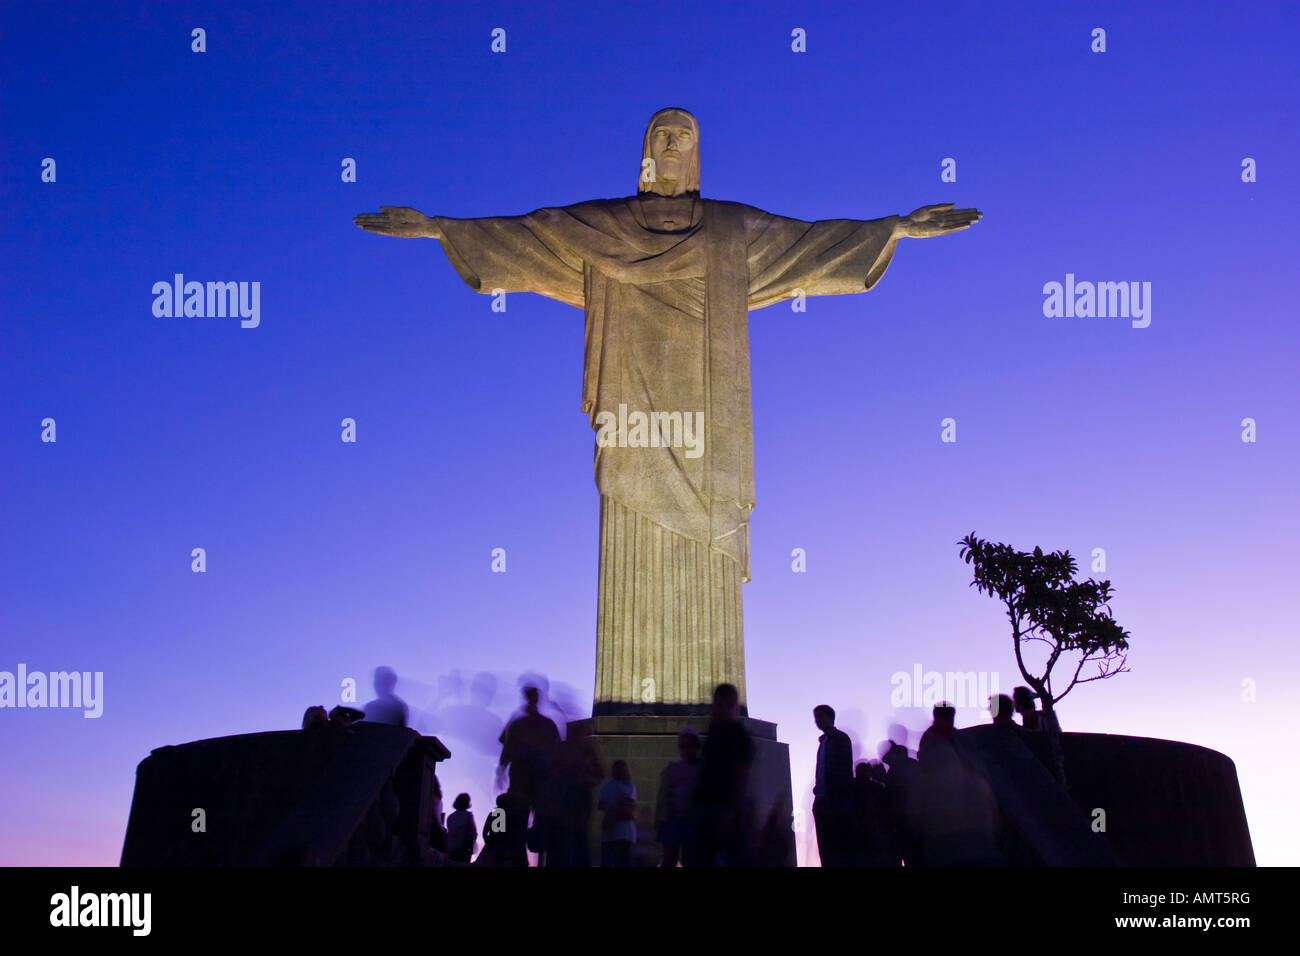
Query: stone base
649, 743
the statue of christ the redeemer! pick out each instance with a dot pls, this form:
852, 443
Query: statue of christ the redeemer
666, 280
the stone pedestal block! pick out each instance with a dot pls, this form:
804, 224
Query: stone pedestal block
649, 742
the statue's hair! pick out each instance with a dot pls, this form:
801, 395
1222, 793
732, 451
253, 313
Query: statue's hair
693, 172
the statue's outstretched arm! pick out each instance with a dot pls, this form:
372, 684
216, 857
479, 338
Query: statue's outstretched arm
495, 254
401, 222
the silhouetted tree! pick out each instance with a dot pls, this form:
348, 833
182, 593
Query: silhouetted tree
1044, 603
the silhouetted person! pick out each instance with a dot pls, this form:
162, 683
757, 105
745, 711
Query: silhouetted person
618, 802
725, 828
833, 791
315, 718
341, 716
528, 746
674, 809
500, 848
900, 789
576, 773
937, 739
1031, 730
1048, 748
468, 720
871, 812
462, 831
1025, 707
953, 811
387, 707
1003, 709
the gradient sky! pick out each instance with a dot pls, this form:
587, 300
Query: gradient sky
326, 559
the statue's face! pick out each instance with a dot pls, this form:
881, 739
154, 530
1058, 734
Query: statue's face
672, 147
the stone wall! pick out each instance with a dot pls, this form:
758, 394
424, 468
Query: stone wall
363, 795
1166, 803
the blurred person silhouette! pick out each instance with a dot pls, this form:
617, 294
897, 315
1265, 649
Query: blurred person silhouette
314, 718
954, 813
1003, 709
871, 809
341, 716
1023, 699
577, 772
1048, 747
528, 747
725, 827
833, 791
462, 831
674, 807
545, 704
618, 830
387, 707
900, 795
1030, 731
937, 738
472, 721
500, 848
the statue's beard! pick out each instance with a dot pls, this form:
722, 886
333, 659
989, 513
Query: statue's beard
671, 181
672, 168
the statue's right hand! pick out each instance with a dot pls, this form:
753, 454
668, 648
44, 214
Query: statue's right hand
402, 222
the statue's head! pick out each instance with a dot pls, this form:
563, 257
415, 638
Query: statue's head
672, 144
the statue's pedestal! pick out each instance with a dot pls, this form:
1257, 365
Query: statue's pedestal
649, 743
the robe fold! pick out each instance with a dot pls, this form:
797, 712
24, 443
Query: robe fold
666, 285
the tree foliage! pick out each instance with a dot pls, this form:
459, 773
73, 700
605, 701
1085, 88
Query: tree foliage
1046, 604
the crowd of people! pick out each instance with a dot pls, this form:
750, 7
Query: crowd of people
934, 809
702, 815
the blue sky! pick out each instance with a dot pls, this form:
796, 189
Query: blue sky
326, 559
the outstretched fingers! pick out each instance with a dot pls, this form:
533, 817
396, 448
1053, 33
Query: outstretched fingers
373, 221
961, 218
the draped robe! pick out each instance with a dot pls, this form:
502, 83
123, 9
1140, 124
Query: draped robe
666, 285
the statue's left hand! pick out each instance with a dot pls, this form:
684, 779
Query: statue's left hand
937, 220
